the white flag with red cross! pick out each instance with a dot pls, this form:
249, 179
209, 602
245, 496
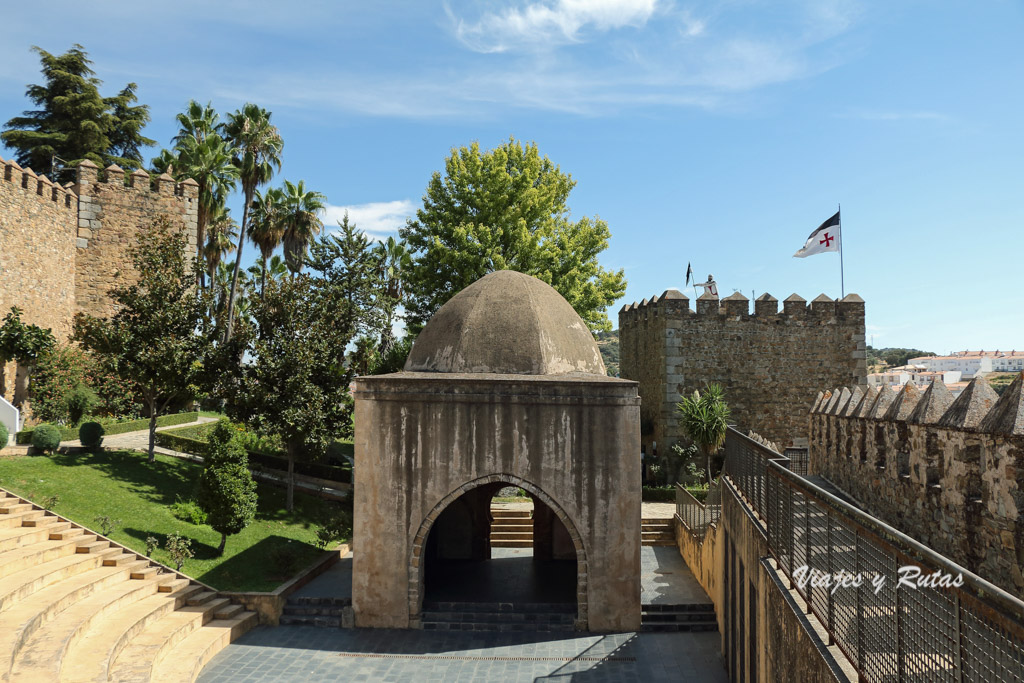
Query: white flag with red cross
825, 238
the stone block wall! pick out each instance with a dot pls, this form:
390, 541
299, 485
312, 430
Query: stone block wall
37, 253
949, 473
112, 210
771, 364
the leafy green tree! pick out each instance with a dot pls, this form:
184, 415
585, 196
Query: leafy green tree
300, 217
704, 419
24, 344
73, 121
159, 336
257, 153
506, 209
294, 383
227, 493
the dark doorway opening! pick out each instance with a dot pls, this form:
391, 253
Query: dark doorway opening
486, 549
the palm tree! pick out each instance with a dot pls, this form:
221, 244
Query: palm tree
220, 239
257, 154
266, 229
704, 419
300, 217
197, 122
271, 270
209, 163
394, 262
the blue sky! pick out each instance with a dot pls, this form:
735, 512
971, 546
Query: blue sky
717, 133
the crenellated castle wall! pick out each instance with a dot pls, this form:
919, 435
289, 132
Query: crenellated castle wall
63, 248
949, 473
770, 363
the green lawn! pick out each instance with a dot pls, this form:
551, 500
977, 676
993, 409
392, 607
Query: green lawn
122, 485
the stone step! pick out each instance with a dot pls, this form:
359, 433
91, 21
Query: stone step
505, 627
512, 544
38, 575
135, 660
332, 602
200, 598
658, 535
512, 522
552, 607
513, 514
501, 617
229, 611
128, 560
93, 654
511, 536
22, 536
91, 544
65, 534
658, 543
321, 621
675, 607
48, 521
26, 616
678, 627
14, 506
312, 611
41, 656
16, 519
16, 560
657, 520
145, 572
186, 659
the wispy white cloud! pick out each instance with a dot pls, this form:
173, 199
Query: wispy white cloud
374, 218
549, 23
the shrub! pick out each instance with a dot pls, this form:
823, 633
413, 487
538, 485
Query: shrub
335, 528
46, 438
180, 549
81, 402
49, 502
188, 511
227, 492
152, 543
282, 561
4, 436
91, 435
106, 524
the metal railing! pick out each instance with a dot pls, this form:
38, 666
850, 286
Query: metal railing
890, 630
798, 459
696, 516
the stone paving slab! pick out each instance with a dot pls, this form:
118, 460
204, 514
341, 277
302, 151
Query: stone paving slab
666, 580
304, 653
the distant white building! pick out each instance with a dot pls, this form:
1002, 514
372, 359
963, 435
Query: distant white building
970, 363
920, 377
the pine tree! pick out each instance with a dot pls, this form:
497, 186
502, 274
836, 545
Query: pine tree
73, 121
227, 493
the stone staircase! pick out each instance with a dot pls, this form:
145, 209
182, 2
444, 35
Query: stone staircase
658, 532
75, 606
685, 617
497, 616
511, 528
310, 611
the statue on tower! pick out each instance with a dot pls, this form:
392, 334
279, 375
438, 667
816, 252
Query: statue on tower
710, 287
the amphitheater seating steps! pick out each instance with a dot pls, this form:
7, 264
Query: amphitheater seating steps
75, 606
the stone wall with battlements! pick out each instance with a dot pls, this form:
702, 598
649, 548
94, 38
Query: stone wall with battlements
770, 363
113, 206
949, 473
63, 248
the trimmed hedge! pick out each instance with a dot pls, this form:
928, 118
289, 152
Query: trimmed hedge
667, 494
185, 444
110, 429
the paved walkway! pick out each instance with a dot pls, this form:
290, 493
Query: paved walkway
139, 441
306, 653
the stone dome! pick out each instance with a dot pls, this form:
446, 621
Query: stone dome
506, 323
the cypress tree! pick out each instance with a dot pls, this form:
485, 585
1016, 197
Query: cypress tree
73, 121
227, 493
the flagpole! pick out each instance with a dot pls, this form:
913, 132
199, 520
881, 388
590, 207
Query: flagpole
842, 279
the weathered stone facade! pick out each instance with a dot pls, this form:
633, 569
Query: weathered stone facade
428, 441
948, 473
770, 363
63, 248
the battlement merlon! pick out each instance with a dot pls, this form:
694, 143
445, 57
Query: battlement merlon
34, 184
88, 174
672, 302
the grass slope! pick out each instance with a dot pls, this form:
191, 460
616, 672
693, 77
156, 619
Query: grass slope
122, 485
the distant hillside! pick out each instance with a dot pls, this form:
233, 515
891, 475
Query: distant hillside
608, 342
893, 357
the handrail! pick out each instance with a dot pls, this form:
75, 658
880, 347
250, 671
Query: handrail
696, 516
962, 629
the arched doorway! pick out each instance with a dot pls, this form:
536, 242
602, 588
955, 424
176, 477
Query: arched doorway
453, 561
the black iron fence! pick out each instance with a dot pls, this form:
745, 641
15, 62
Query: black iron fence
695, 515
898, 610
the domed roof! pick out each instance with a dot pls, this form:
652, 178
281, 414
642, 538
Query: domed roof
506, 323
